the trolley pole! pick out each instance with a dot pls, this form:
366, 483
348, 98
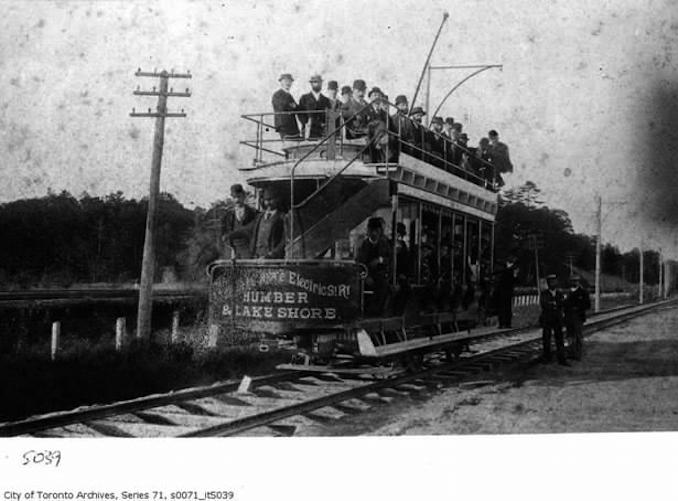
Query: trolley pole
599, 224
641, 280
148, 261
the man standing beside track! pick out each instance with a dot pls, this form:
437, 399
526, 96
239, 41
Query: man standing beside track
551, 320
576, 304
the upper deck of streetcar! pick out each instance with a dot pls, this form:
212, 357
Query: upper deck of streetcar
376, 140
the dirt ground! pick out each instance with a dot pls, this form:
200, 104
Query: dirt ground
628, 381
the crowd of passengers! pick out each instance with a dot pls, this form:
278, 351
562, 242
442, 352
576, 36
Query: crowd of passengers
249, 233
443, 143
445, 289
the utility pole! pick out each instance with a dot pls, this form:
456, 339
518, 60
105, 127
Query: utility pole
641, 281
599, 231
148, 260
660, 280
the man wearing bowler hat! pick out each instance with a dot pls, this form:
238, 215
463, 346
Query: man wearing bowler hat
335, 103
551, 319
417, 116
266, 234
401, 125
316, 106
354, 111
576, 304
437, 142
284, 105
237, 217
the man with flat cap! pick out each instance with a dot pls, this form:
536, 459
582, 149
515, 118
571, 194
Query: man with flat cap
316, 106
266, 234
576, 304
284, 105
354, 111
237, 217
375, 254
551, 319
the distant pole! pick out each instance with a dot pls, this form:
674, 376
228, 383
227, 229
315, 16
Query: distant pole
599, 231
660, 280
428, 59
536, 261
120, 332
148, 260
641, 281
174, 333
56, 337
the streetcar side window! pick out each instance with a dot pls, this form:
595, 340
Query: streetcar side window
429, 246
408, 216
473, 249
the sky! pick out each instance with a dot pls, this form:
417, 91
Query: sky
587, 99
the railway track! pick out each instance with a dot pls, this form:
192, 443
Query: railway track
8, 297
281, 403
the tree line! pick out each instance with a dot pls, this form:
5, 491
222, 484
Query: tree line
60, 240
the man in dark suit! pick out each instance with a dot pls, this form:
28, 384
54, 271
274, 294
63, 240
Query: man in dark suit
375, 253
354, 111
283, 105
437, 142
376, 111
316, 106
418, 130
239, 216
266, 233
335, 102
505, 286
500, 153
576, 304
551, 320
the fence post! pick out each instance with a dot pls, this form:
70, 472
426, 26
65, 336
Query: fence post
120, 332
174, 337
56, 335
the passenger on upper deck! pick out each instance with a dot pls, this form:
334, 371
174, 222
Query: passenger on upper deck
354, 111
500, 153
375, 111
335, 103
315, 103
400, 123
417, 115
346, 94
447, 128
437, 142
283, 104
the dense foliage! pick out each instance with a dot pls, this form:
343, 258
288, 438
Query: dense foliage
522, 213
57, 240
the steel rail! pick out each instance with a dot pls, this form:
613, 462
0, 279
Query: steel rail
601, 320
64, 418
241, 425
